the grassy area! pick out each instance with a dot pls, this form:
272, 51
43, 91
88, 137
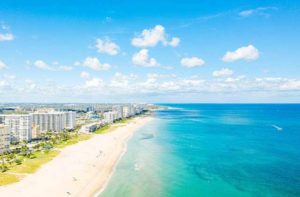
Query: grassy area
6, 178
124, 121
104, 129
27, 166
73, 140
38, 158
31, 165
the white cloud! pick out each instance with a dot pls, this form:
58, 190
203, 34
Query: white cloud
6, 37
174, 42
107, 46
224, 72
95, 64
42, 65
142, 59
234, 79
2, 65
151, 37
120, 80
191, 62
84, 74
122, 86
244, 53
262, 11
94, 83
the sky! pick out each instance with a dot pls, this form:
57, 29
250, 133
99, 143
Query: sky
208, 51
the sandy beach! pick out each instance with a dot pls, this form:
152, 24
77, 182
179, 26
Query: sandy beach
79, 170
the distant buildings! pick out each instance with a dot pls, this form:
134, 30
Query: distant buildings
19, 125
89, 128
4, 138
31, 120
27, 126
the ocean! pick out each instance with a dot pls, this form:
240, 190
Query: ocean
195, 150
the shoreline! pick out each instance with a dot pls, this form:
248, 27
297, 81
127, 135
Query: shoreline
103, 186
82, 169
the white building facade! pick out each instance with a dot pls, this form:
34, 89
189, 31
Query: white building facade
54, 121
19, 125
4, 138
70, 119
110, 116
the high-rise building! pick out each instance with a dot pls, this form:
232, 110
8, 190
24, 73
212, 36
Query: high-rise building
54, 121
20, 126
49, 121
70, 119
4, 138
110, 116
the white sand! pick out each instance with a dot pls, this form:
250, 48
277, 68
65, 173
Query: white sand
79, 170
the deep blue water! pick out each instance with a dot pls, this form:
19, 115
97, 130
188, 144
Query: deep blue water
213, 150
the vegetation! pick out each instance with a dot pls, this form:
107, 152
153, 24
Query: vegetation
30, 165
6, 178
25, 158
103, 129
75, 139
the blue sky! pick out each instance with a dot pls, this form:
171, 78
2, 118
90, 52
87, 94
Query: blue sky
129, 51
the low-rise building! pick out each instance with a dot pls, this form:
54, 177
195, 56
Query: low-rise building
89, 128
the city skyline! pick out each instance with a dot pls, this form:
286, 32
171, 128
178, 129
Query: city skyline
114, 51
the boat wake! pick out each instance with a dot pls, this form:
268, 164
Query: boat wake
277, 127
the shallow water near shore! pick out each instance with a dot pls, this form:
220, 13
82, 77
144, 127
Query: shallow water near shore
213, 150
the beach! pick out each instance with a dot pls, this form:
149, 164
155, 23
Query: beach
79, 170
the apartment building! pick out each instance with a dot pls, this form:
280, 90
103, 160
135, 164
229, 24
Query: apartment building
49, 121
110, 116
19, 125
4, 138
70, 119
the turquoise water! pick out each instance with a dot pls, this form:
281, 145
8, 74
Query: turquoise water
213, 150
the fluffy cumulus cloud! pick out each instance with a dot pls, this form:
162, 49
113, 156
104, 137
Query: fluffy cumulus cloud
191, 62
2, 65
243, 53
224, 72
174, 42
107, 46
151, 37
84, 74
95, 64
142, 58
6, 37
152, 85
40, 64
